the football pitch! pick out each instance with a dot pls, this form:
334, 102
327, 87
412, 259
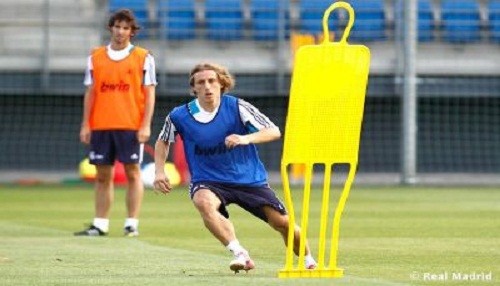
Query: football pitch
389, 236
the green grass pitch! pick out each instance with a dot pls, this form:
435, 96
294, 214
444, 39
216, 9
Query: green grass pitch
389, 236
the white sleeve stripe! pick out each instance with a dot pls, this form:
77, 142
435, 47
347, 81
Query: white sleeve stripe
259, 118
256, 117
167, 132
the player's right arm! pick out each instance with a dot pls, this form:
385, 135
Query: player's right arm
162, 146
85, 127
88, 100
161, 182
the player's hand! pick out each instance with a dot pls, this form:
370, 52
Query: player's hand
85, 134
162, 183
234, 140
143, 134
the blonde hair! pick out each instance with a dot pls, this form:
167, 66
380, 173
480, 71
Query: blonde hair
226, 79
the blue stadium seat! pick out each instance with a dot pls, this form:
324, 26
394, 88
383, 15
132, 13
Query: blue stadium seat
177, 18
140, 9
461, 21
370, 20
494, 18
425, 21
265, 15
224, 19
311, 16
425, 17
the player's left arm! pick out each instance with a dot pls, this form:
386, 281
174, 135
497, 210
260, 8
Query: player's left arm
261, 136
260, 128
149, 90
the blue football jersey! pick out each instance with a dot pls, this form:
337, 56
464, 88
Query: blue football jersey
208, 157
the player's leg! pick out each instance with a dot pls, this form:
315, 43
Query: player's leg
208, 204
263, 203
103, 199
104, 194
134, 196
129, 151
101, 155
280, 223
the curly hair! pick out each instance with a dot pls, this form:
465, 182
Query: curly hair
127, 16
226, 79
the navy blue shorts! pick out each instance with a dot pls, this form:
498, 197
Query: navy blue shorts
251, 199
106, 146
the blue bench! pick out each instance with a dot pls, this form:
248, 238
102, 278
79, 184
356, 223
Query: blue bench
370, 20
265, 17
177, 19
461, 21
224, 19
494, 18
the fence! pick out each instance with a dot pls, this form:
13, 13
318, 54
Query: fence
43, 56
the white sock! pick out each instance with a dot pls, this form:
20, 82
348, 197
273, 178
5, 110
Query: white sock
235, 247
101, 223
309, 260
132, 222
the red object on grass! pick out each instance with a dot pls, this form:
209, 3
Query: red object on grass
179, 160
120, 178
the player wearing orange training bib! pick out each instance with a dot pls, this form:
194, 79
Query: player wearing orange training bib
119, 96
117, 110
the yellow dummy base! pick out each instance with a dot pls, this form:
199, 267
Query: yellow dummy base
316, 273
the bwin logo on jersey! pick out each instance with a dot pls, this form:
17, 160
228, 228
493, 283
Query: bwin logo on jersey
134, 156
213, 150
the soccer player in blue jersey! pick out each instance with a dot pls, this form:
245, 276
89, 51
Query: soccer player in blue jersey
219, 132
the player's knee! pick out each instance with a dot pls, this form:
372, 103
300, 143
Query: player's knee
133, 177
205, 202
276, 220
133, 172
103, 178
280, 224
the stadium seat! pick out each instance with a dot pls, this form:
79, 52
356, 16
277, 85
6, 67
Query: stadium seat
425, 21
265, 17
494, 18
140, 9
461, 21
425, 17
224, 19
370, 20
311, 16
177, 19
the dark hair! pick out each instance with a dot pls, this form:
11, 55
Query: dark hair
225, 78
127, 16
